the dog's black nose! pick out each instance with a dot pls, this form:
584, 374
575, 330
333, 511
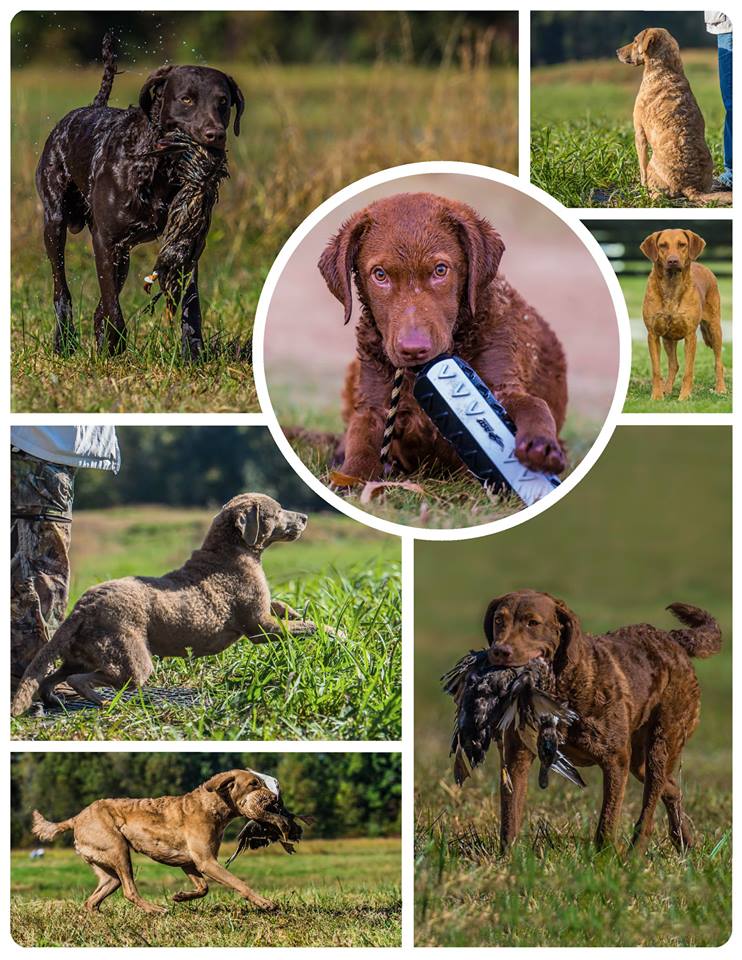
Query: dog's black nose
215, 136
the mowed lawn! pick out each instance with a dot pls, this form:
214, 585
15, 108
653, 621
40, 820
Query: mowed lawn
331, 893
619, 548
582, 135
307, 132
326, 686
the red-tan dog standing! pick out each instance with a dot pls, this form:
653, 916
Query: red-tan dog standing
681, 295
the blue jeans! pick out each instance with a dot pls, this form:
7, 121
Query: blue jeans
725, 83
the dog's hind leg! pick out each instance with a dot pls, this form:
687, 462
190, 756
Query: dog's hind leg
55, 239
198, 881
85, 684
671, 349
46, 687
659, 759
123, 868
108, 883
680, 830
711, 333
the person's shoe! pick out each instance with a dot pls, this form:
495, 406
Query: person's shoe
723, 181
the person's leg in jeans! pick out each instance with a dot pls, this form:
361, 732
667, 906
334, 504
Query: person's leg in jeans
725, 83
41, 513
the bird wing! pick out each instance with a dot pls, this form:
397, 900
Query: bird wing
454, 681
567, 769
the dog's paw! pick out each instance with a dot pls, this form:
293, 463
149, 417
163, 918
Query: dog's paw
268, 906
543, 454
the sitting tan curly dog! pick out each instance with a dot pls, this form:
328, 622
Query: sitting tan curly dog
183, 832
219, 595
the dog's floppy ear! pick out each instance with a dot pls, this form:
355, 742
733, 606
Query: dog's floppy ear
238, 101
338, 259
649, 39
248, 523
648, 246
483, 247
219, 782
696, 244
153, 87
489, 618
568, 651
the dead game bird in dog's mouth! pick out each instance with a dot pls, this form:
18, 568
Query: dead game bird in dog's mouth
183, 832
218, 596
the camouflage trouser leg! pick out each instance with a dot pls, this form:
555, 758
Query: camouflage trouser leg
41, 513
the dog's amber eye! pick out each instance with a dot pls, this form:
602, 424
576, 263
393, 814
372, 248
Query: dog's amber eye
499, 620
379, 274
534, 623
440, 269
186, 100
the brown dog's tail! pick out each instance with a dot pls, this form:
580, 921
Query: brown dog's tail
703, 636
46, 830
108, 52
41, 664
722, 198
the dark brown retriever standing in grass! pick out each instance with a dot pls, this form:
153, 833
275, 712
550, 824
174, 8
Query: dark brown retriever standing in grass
426, 271
668, 120
183, 832
681, 295
635, 692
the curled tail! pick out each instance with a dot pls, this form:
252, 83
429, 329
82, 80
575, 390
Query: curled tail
41, 664
722, 198
46, 830
703, 636
108, 52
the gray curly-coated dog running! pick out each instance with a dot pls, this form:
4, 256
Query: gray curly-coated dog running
219, 595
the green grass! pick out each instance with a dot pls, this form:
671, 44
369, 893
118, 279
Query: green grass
331, 893
704, 398
307, 132
320, 687
618, 549
447, 501
582, 136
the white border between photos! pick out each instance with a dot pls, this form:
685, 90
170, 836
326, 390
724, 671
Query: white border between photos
406, 746
472, 170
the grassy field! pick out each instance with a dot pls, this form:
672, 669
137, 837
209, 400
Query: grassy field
332, 893
307, 132
582, 136
618, 549
439, 501
704, 398
323, 687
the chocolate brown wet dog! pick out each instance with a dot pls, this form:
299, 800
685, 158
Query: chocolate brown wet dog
681, 295
219, 595
183, 832
426, 271
634, 691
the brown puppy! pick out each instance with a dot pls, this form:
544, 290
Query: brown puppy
219, 595
183, 832
681, 295
667, 118
635, 693
426, 272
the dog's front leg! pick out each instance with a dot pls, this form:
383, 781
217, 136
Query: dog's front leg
283, 611
642, 151
653, 343
213, 870
686, 387
536, 443
190, 315
615, 774
516, 762
363, 438
269, 629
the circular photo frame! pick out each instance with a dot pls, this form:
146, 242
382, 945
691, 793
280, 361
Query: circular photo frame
441, 271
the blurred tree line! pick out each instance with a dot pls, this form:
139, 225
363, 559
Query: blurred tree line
557, 36
620, 240
194, 466
350, 794
309, 36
